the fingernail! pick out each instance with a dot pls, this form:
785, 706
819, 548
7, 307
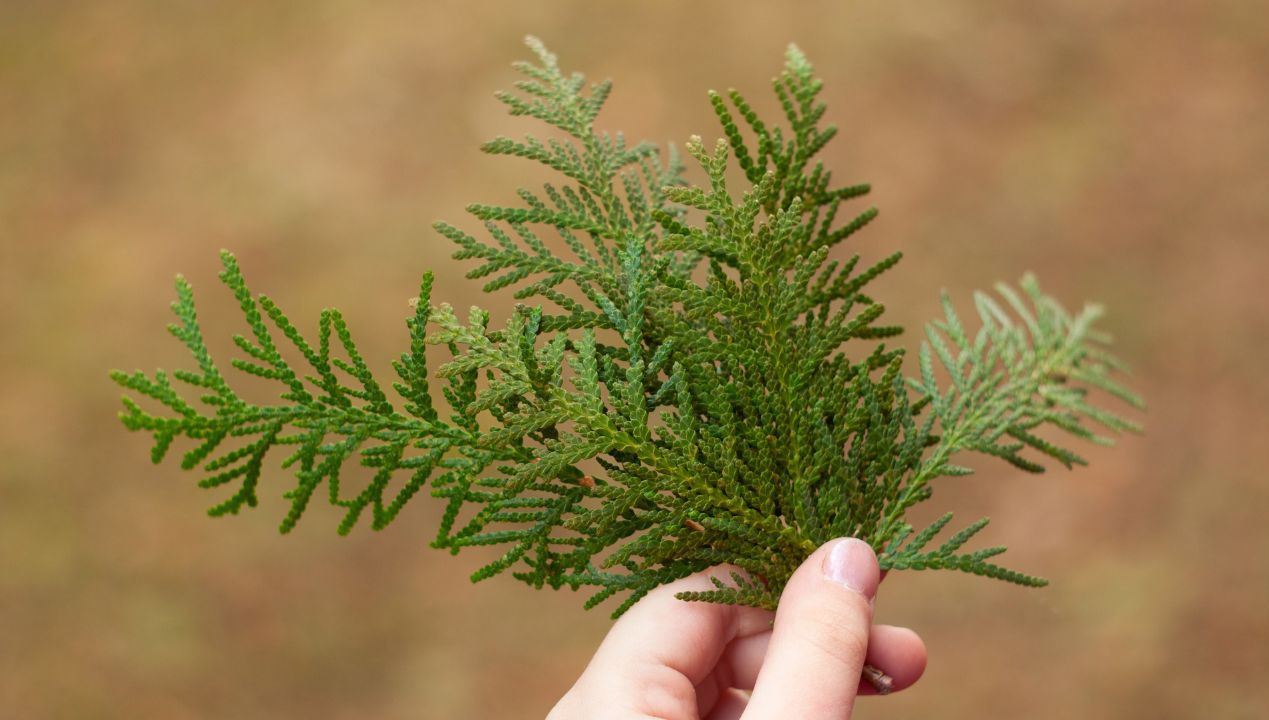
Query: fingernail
852, 563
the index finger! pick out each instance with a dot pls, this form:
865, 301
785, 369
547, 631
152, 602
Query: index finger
656, 654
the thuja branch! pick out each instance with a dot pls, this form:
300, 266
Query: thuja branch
697, 376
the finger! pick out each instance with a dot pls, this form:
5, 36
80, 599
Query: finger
820, 639
658, 652
743, 659
897, 651
730, 706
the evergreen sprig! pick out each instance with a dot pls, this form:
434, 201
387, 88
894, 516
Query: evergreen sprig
701, 383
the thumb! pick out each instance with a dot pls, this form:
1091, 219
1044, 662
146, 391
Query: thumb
820, 637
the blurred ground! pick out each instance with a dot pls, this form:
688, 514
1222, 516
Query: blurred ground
1121, 149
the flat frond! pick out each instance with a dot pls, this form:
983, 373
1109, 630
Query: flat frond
694, 376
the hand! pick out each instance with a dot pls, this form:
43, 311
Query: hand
670, 659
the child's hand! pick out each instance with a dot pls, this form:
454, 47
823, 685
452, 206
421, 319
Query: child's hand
666, 658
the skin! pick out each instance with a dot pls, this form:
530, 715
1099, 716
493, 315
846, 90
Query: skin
677, 660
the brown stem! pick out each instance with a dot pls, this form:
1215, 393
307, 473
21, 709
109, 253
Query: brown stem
881, 682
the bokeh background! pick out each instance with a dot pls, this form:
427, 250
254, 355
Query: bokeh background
1120, 148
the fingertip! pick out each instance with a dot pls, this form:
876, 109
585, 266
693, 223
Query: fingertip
899, 653
852, 563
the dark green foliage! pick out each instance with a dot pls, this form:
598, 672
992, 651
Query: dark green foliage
702, 385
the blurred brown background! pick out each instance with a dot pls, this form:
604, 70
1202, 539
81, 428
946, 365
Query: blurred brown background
1121, 149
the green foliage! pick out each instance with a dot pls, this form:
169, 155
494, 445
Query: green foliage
701, 383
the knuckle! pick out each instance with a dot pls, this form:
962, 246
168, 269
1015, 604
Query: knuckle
664, 693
